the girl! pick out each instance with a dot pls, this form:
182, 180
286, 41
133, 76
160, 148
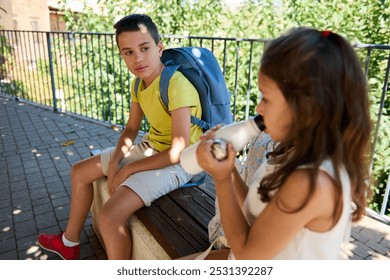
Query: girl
299, 203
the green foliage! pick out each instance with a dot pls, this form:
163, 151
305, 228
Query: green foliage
171, 16
5, 53
102, 78
95, 79
364, 21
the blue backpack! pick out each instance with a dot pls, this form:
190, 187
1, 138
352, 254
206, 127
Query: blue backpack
201, 68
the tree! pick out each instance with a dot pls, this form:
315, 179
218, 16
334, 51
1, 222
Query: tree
365, 21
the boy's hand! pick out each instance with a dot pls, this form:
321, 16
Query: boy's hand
210, 134
119, 178
112, 172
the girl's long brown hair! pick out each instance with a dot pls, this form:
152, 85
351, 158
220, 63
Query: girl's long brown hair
322, 81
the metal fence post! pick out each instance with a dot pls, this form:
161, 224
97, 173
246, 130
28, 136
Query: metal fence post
53, 85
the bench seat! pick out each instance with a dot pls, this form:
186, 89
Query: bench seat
174, 226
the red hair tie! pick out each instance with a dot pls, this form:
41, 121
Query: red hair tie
326, 33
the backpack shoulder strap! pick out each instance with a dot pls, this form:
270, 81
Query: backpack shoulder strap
166, 76
201, 123
195, 183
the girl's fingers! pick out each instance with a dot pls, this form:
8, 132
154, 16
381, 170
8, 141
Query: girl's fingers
210, 134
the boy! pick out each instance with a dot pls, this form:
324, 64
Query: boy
137, 174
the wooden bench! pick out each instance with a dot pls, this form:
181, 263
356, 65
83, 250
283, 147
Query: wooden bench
174, 226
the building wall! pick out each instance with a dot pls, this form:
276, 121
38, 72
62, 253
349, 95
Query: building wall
56, 21
38, 15
30, 15
6, 18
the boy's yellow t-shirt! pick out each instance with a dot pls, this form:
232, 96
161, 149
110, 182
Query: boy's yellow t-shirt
181, 93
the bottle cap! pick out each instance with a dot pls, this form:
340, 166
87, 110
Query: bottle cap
259, 122
219, 149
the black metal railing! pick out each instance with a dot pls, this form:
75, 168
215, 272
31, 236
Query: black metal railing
82, 74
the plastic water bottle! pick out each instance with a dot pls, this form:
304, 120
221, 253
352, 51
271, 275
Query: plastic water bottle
239, 134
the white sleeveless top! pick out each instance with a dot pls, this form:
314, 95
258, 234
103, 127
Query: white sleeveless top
306, 244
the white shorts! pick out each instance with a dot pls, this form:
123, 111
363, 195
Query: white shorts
150, 184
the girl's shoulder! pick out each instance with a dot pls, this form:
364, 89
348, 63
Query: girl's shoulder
297, 191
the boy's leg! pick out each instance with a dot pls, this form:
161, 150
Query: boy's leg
113, 222
83, 174
138, 190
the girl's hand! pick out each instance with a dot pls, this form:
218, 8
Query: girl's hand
220, 170
210, 134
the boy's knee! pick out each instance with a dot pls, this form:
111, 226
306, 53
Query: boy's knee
75, 170
104, 219
107, 219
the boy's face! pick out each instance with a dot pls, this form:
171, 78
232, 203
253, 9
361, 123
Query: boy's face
141, 54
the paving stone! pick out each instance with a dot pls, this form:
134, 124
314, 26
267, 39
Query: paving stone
27, 244
355, 257
377, 247
377, 256
34, 252
5, 213
21, 205
87, 252
43, 208
38, 193
16, 171
22, 194
23, 216
61, 201
7, 245
101, 254
362, 250
18, 186
386, 242
10, 255
25, 229
41, 201
31, 170
95, 243
35, 184
5, 202
375, 235
34, 178
46, 220
54, 185
62, 212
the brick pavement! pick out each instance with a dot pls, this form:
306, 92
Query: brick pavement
35, 176
35, 183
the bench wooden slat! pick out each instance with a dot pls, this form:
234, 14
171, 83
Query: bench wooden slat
174, 228
175, 223
193, 200
158, 220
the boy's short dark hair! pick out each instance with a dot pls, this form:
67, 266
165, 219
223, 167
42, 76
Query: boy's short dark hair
135, 22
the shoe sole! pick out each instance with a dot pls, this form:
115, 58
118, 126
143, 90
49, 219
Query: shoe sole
47, 249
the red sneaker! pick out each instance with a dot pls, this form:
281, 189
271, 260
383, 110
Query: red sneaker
53, 243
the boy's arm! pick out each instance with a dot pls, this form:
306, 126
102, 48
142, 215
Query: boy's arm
181, 122
126, 140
